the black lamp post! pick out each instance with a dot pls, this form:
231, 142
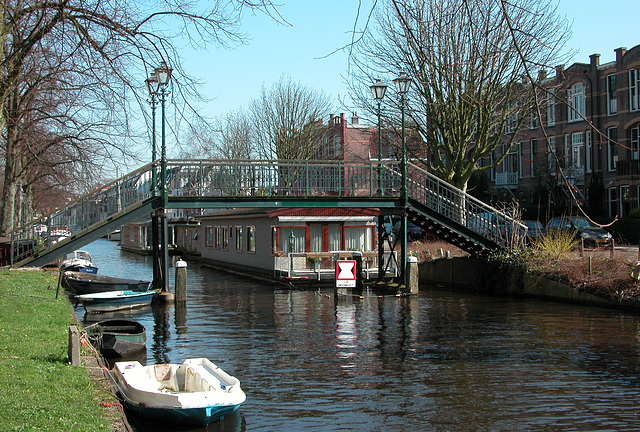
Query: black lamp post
402, 87
152, 86
292, 244
378, 90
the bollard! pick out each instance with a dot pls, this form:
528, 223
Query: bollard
74, 346
413, 278
181, 281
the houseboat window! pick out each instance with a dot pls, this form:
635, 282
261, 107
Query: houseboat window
225, 238
208, 236
239, 239
334, 237
217, 237
251, 239
358, 238
315, 231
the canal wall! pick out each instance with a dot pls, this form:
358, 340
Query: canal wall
472, 274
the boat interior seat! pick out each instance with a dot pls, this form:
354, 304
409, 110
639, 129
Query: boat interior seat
166, 377
198, 379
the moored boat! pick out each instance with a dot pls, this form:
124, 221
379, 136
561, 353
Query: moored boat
88, 283
78, 260
196, 392
115, 300
117, 337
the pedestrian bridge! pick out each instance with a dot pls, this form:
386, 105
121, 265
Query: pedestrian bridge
438, 207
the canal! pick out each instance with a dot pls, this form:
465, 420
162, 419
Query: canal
441, 361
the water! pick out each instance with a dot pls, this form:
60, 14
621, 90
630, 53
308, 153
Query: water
442, 361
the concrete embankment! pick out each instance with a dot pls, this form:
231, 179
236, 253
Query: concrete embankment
470, 273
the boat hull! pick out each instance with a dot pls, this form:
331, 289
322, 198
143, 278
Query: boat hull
193, 417
115, 300
117, 337
86, 283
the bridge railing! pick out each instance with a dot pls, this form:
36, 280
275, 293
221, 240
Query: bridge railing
462, 208
102, 203
275, 178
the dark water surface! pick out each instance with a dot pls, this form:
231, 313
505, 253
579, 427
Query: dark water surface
442, 361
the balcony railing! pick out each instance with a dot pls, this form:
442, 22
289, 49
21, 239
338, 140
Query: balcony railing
507, 179
628, 167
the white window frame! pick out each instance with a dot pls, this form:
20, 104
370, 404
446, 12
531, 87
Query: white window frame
612, 94
611, 148
575, 103
634, 89
634, 142
551, 108
577, 149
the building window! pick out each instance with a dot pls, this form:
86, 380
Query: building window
575, 102
534, 120
238, 239
577, 149
551, 108
635, 145
225, 238
551, 155
587, 152
534, 155
208, 236
251, 239
612, 148
512, 117
634, 90
612, 94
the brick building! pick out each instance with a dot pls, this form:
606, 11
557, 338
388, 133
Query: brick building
593, 128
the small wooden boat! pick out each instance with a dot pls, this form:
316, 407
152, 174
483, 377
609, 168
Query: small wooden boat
88, 283
117, 337
195, 393
115, 300
78, 260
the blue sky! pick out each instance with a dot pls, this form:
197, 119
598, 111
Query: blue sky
232, 77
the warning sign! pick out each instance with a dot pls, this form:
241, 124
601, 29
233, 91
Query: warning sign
346, 274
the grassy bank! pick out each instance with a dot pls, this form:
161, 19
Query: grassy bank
39, 390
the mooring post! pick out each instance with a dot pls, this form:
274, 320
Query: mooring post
413, 278
74, 346
181, 281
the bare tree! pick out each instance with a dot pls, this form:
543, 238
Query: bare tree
287, 120
467, 60
73, 70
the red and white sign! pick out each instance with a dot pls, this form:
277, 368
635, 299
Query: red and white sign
346, 274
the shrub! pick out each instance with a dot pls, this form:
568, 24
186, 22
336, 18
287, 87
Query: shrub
556, 243
635, 213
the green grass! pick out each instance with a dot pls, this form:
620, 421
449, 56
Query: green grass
39, 390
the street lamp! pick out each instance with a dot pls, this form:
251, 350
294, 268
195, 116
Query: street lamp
156, 84
378, 90
402, 87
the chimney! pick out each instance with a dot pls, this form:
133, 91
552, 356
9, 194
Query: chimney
354, 119
620, 52
560, 72
595, 60
542, 75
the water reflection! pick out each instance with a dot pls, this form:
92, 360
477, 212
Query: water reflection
442, 361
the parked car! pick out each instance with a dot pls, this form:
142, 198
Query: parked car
591, 234
414, 232
535, 229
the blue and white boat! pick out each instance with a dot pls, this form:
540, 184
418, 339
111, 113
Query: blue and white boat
194, 393
115, 300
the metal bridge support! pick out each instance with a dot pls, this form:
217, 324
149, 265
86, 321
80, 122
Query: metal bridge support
160, 250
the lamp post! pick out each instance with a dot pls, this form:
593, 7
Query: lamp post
156, 84
378, 90
402, 87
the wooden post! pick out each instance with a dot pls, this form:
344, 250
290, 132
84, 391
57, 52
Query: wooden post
74, 346
181, 281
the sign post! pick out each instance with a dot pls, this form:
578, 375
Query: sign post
346, 274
